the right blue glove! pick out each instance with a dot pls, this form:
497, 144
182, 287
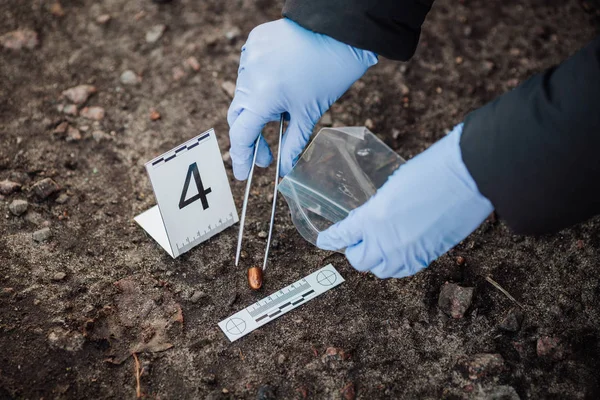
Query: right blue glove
286, 68
425, 208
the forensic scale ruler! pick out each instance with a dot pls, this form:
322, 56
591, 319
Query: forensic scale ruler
281, 302
193, 195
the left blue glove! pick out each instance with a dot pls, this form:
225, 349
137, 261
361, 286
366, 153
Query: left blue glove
425, 208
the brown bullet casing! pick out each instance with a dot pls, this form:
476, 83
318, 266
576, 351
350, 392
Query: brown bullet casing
255, 277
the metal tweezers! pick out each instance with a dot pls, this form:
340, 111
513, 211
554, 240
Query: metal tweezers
246, 195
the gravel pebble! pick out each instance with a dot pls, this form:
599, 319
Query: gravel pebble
193, 63
44, 188
79, 94
263, 234
511, 321
454, 300
59, 276
481, 365
7, 187
103, 19
155, 33
42, 235
229, 88
370, 124
62, 198
18, 207
130, 78
196, 296
69, 109
94, 113
73, 134
19, 39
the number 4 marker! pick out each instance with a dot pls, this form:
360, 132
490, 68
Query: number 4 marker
188, 213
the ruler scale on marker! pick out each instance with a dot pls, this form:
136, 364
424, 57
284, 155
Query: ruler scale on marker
280, 302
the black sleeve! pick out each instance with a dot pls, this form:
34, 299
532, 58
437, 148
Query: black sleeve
535, 151
390, 28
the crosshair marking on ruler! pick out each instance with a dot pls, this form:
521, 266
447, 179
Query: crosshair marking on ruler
326, 278
236, 326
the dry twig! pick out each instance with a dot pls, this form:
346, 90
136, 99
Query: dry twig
138, 374
500, 288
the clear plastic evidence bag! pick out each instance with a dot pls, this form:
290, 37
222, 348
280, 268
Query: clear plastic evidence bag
339, 171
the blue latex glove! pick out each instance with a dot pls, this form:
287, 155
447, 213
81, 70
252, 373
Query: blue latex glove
286, 68
426, 207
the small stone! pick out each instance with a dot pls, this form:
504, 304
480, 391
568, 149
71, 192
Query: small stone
19, 39
266, 392
514, 82
334, 354
193, 63
488, 66
438, 90
79, 94
226, 157
18, 207
369, 124
57, 10
62, 198
196, 296
481, 365
178, 73
99, 135
550, 347
103, 19
225, 390
454, 300
514, 52
94, 113
62, 339
458, 60
59, 276
42, 235
460, 260
34, 218
263, 234
45, 188
73, 134
232, 298
154, 115
229, 88
61, 128
130, 78
270, 197
210, 379
404, 89
155, 33
512, 321
233, 33
281, 359
348, 391
70, 109
395, 133
326, 119
7, 187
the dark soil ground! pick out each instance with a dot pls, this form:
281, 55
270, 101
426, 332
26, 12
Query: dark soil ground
71, 336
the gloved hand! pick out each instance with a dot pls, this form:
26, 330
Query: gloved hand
425, 208
286, 68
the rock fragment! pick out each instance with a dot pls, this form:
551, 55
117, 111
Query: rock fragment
369, 124
19, 39
7, 187
61, 128
233, 33
550, 347
454, 300
62, 198
69, 109
93, 113
18, 207
481, 365
73, 134
59, 276
155, 33
65, 340
512, 321
262, 234
44, 188
57, 9
130, 78
348, 391
42, 235
193, 63
196, 296
103, 19
79, 94
265, 392
229, 88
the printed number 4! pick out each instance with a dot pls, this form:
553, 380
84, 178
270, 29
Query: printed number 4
193, 170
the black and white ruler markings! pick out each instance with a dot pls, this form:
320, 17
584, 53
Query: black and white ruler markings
281, 302
193, 195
